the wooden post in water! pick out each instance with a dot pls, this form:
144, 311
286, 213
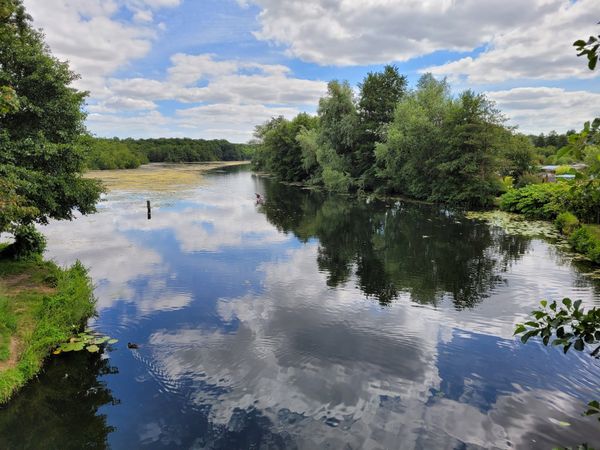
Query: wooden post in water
149, 209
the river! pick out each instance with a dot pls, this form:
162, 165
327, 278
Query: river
310, 322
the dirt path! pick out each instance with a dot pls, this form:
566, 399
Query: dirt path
13, 355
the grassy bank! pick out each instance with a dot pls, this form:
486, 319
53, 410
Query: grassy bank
41, 306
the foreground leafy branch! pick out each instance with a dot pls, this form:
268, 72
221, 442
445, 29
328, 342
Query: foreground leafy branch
568, 325
589, 48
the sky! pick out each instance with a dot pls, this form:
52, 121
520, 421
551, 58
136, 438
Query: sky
216, 68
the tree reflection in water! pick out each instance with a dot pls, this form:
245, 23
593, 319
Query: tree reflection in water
429, 252
64, 401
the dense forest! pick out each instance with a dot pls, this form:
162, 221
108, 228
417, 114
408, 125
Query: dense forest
130, 153
425, 143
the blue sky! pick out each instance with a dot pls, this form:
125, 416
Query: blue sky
216, 68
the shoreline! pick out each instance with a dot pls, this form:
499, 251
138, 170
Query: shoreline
41, 306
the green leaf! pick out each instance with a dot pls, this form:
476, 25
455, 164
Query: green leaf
112, 341
577, 304
579, 43
520, 329
92, 348
579, 345
544, 303
567, 302
528, 335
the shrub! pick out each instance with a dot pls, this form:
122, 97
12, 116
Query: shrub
585, 241
567, 223
547, 200
541, 201
28, 242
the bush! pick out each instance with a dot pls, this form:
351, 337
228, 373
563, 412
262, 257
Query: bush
567, 223
586, 241
547, 200
28, 242
542, 201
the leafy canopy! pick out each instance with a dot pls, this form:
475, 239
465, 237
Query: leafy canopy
40, 119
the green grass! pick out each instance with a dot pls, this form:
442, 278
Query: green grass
41, 306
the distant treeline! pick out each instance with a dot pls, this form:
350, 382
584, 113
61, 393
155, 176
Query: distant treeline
118, 153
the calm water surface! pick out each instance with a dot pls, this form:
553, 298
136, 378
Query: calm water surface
309, 322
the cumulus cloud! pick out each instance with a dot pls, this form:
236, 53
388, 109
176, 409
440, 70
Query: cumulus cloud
378, 31
87, 34
233, 96
542, 109
540, 49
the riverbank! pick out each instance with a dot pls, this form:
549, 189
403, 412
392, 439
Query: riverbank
41, 306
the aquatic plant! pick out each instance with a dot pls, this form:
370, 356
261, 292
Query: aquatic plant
88, 340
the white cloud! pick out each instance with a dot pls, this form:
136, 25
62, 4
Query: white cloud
539, 49
233, 95
542, 109
87, 34
117, 104
352, 32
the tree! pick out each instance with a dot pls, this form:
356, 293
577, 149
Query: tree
380, 92
40, 119
280, 153
338, 133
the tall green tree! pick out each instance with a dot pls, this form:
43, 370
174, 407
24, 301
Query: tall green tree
441, 149
40, 163
380, 92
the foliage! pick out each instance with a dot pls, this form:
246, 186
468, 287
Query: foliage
41, 118
426, 143
592, 159
130, 153
547, 200
518, 155
578, 142
110, 154
49, 307
566, 324
567, 223
86, 340
589, 49
28, 243
507, 183
528, 178
586, 240
380, 92
8, 100
280, 150
441, 148
188, 150
565, 170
